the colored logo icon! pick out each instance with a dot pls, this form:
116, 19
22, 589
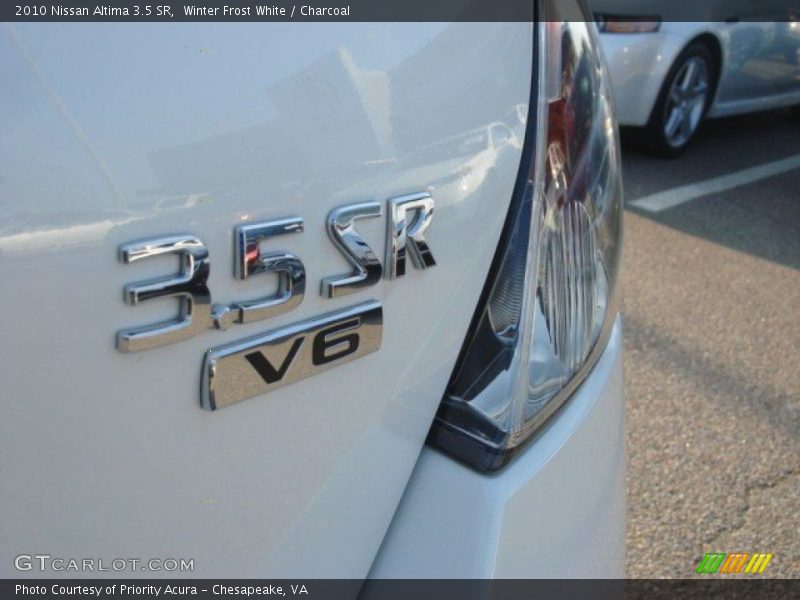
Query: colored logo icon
738, 562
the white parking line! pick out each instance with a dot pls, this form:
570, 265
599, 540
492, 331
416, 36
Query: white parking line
678, 195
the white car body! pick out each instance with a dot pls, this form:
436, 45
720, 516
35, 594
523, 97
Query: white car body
759, 70
120, 132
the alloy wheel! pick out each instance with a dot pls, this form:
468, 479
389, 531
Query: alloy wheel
686, 102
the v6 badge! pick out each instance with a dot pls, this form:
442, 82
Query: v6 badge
260, 364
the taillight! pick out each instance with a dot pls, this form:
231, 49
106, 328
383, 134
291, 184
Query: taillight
550, 302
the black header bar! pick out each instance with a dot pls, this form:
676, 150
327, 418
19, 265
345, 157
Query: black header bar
394, 589
385, 10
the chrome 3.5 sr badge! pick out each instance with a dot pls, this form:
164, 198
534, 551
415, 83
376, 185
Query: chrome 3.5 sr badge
276, 358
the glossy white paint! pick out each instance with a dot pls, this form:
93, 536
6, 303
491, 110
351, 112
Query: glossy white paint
557, 511
114, 133
760, 66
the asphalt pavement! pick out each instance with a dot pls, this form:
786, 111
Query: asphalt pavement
712, 349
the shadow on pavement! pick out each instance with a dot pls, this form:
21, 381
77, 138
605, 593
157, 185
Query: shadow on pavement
760, 218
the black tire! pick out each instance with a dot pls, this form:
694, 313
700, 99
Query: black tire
691, 109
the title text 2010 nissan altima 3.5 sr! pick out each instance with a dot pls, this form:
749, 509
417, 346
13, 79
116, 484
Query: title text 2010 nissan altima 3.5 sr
317, 300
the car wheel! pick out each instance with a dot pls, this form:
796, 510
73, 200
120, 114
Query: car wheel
682, 102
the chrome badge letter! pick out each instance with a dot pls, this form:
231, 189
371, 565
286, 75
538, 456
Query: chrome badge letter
402, 235
367, 268
188, 287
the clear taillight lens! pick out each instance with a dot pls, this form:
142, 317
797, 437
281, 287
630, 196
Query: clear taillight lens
550, 303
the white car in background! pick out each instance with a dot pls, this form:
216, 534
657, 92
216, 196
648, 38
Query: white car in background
310, 300
668, 75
